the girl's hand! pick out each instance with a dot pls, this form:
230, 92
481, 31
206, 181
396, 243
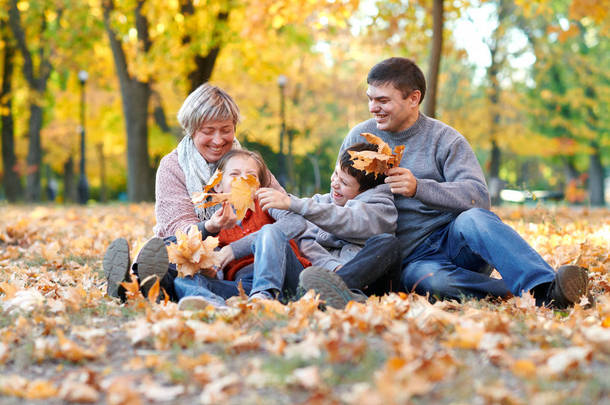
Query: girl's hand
272, 198
226, 256
224, 218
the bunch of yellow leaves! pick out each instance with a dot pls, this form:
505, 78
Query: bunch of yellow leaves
192, 254
377, 162
241, 196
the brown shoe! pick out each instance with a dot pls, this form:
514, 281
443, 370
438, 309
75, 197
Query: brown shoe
569, 286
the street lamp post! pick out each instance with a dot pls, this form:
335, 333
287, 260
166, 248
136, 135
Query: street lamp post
83, 185
281, 82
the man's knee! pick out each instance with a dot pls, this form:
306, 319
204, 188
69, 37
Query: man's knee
474, 218
424, 277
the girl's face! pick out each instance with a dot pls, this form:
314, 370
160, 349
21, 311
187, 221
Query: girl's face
237, 166
343, 186
214, 139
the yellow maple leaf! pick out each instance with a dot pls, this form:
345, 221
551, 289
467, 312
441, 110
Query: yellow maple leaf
199, 198
370, 161
192, 254
241, 196
383, 147
377, 162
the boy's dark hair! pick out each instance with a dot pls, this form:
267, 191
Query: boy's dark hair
366, 180
402, 73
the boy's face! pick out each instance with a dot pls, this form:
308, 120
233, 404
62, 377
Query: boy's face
343, 186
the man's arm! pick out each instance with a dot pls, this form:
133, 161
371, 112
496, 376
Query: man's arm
464, 186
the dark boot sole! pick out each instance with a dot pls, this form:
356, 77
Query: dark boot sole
331, 288
573, 282
116, 265
152, 263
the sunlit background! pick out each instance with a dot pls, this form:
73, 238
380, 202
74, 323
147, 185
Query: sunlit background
527, 83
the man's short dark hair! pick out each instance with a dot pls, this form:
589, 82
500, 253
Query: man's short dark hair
402, 73
365, 180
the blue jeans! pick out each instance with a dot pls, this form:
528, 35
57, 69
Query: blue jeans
456, 260
376, 267
276, 267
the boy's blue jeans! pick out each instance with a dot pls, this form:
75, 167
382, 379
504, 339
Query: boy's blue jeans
455, 260
275, 267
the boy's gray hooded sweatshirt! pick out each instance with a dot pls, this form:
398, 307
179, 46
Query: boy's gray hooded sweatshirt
335, 234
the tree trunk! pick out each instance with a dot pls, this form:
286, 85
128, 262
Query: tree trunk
435, 59
37, 76
69, 183
596, 177
140, 185
102, 160
12, 182
33, 189
135, 99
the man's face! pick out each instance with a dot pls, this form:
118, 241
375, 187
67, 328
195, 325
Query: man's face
391, 111
343, 186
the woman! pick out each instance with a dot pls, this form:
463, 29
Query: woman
209, 117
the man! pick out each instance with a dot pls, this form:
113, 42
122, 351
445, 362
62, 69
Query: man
450, 239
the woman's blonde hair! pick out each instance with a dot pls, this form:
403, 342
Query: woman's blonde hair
264, 176
207, 103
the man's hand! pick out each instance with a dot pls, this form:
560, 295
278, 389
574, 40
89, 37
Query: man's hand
226, 256
272, 198
224, 218
401, 181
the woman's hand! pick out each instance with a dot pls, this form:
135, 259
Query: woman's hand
226, 256
401, 181
224, 218
272, 198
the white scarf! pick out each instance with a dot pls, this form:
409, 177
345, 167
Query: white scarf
197, 172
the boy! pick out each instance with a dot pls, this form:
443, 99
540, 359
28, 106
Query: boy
350, 234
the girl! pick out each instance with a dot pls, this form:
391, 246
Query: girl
258, 252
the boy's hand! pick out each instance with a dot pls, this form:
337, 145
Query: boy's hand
272, 198
226, 256
224, 218
401, 181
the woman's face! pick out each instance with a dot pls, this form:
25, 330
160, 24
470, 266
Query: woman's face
214, 139
237, 166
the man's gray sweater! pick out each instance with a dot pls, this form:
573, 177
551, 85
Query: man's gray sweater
449, 177
335, 234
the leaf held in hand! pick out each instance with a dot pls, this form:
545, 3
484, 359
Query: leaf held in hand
377, 162
191, 253
241, 196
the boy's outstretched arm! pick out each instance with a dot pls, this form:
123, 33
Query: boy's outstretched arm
272, 198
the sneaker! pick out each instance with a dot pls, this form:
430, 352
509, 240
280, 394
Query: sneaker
329, 286
116, 266
569, 286
261, 296
198, 303
152, 263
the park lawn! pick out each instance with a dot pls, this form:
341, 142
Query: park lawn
63, 340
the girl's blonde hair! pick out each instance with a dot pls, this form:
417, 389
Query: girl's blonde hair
207, 103
264, 176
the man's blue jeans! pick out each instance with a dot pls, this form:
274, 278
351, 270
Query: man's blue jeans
456, 260
376, 267
275, 267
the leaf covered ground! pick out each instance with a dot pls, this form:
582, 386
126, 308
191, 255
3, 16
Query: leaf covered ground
63, 340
